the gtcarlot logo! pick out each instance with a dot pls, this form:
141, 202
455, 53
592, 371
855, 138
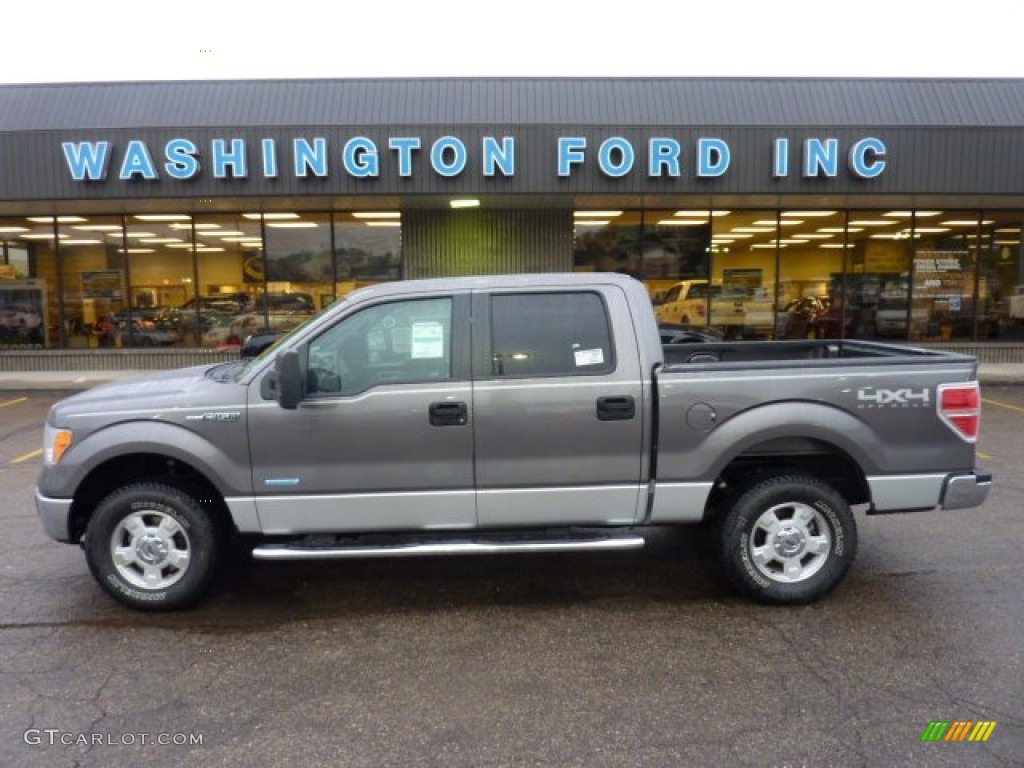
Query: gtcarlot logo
56, 737
958, 730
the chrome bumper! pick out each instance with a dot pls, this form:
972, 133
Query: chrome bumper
55, 514
965, 491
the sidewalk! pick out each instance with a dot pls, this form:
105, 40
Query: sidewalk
61, 380
988, 373
1001, 373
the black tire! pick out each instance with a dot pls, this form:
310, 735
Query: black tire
788, 539
170, 546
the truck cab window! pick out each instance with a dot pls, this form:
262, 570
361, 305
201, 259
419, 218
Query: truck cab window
397, 342
550, 334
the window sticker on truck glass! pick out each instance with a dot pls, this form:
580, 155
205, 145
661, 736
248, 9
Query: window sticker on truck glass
589, 357
427, 341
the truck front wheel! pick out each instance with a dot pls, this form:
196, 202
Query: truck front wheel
152, 546
788, 539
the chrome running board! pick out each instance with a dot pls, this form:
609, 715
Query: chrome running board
312, 551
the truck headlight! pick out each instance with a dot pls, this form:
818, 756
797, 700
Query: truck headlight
55, 443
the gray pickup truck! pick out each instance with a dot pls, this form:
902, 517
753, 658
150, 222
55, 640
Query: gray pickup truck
507, 414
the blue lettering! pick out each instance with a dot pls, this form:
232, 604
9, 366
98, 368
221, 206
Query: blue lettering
359, 157
713, 157
821, 158
861, 165
458, 153
269, 147
501, 157
663, 153
310, 158
181, 159
605, 161
137, 162
233, 159
86, 160
404, 147
780, 161
570, 153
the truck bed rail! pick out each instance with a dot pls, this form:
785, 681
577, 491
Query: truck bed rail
801, 352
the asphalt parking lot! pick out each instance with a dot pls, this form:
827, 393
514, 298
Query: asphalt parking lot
629, 659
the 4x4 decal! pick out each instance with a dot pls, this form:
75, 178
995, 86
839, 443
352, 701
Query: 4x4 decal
872, 397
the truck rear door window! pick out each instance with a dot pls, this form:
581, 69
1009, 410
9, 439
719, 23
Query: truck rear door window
550, 334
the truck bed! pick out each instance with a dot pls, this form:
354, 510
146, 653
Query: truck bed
843, 404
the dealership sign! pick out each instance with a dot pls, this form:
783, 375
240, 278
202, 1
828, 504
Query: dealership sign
449, 156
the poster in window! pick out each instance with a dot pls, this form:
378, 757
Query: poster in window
941, 276
741, 283
102, 284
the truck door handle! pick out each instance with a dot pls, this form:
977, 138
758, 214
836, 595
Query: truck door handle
448, 414
616, 408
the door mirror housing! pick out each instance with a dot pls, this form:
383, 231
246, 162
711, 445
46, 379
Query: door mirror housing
288, 368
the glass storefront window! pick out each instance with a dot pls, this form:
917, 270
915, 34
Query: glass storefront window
607, 241
870, 300
1001, 278
13, 260
155, 252
141, 280
29, 298
93, 279
231, 277
675, 246
810, 257
299, 271
945, 255
745, 247
652, 246
367, 249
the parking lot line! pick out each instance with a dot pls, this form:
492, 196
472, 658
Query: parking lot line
15, 401
983, 455
30, 455
1002, 405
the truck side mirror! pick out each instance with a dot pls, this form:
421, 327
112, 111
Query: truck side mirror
289, 379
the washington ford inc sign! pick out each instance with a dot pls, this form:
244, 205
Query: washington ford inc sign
449, 156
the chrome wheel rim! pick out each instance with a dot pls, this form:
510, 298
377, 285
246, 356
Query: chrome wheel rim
150, 549
790, 542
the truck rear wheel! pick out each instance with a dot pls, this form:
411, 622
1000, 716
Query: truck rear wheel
152, 546
788, 539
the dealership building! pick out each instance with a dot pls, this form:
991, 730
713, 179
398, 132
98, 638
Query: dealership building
184, 215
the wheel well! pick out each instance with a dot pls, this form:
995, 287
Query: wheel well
822, 460
125, 470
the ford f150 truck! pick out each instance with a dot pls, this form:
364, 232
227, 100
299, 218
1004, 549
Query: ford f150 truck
507, 414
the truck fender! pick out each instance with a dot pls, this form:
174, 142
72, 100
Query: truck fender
149, 437
777, 421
